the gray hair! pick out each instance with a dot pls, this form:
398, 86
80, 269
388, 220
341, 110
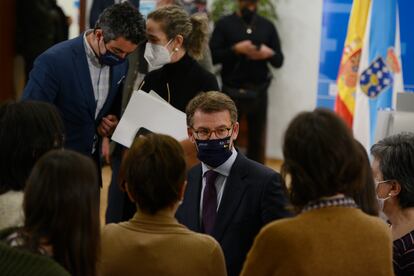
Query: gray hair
396, 162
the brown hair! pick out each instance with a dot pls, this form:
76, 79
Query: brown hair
176, 21
61, 206
321, 157
155, 171
209, 102
365, 197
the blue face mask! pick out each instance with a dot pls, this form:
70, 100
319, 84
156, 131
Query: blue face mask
214, 152
110, 58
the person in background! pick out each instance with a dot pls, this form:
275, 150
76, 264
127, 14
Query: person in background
39, 25
27, 131
245, 43
330, 235
393, 169
174, 40
83, 77
61, 232
153, 242
228, 196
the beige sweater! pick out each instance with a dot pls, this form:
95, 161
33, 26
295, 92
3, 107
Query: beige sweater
328, 241
158, 245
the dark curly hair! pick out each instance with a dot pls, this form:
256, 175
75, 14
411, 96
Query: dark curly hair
122, 20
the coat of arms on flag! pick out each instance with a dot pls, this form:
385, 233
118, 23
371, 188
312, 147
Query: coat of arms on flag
376, 78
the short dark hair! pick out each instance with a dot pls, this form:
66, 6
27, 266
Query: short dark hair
210, 102
396, 162
61, 206
320, 156
27, 131
154, 170
122, 20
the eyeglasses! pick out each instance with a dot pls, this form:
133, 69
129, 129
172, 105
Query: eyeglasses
205, 133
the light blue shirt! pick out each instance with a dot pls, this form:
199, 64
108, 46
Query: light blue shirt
224, 171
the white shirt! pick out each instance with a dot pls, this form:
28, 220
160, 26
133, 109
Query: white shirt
99, 75
224, 171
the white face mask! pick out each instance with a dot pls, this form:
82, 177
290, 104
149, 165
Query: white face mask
381, 202
156, 55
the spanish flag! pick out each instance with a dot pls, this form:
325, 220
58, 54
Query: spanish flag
348, 69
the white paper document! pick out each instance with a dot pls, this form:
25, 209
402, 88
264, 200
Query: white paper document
153, 113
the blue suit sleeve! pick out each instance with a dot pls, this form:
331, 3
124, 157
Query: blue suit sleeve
43, 85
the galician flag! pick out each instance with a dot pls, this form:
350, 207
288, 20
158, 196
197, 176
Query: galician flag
348, 70
380, 69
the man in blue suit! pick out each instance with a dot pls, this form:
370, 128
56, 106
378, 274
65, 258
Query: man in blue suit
83, 77
228, 196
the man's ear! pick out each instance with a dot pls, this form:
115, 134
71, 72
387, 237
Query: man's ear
190, 134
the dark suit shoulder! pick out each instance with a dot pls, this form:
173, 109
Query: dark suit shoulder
254, 168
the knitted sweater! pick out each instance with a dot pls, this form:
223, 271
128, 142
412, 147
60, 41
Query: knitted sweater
15, 261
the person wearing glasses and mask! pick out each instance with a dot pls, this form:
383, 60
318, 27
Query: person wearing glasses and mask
228, 196
83, 77
393, 169
175, 40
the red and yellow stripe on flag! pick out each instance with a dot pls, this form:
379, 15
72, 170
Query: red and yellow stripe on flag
348, 69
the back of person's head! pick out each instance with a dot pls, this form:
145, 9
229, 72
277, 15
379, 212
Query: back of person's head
210, 102
154, 170
121, 20
61, 207
365, 197
320, 156
396, 162
176, 21
27, 131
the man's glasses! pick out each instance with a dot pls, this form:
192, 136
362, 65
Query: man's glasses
205, 133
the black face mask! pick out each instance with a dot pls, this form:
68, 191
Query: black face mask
247, 15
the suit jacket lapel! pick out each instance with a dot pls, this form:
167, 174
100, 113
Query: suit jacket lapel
84, 76
193, 195
232, 195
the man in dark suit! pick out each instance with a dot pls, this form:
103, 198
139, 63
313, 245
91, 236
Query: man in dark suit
82, 77
228, 196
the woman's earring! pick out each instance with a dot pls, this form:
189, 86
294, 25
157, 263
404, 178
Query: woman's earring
176, 49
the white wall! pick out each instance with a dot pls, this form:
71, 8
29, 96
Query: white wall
294, 88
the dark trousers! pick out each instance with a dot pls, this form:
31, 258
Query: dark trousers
256, 115
119, 208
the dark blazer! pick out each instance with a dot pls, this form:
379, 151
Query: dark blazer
61, 76
252, 197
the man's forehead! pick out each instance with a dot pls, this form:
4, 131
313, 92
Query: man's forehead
217, 118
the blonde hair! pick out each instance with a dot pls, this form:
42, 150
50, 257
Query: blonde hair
176, 21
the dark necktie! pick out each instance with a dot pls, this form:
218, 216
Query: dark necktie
209, 202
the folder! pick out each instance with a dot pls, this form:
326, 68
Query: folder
149, 111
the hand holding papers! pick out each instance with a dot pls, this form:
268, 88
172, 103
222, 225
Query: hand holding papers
148, 110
